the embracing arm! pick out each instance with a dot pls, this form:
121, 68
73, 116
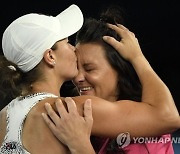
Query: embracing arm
154, 116
139, 119
155, 93
112, 118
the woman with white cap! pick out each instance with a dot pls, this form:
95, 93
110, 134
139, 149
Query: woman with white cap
37, 60
40, 59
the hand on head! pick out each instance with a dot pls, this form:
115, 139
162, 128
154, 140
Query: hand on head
128, 47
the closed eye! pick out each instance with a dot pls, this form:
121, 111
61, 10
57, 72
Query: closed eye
89, 70
89, 67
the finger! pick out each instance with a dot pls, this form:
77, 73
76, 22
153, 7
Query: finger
47, 120
119, 29
52, 114
122, 27
127, 30
61, 108
88, 111
113, 42
72, 108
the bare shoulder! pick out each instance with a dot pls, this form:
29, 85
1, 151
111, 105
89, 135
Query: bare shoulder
37, 137
2, 124
39, 107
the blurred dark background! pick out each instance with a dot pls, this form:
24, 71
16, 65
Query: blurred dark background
155, 23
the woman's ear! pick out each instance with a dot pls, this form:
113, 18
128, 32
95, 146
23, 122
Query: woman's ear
49, 57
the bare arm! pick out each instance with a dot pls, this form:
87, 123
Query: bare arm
154, 91
139, 119
154, 116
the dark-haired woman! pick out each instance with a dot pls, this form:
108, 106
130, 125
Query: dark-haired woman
110, 75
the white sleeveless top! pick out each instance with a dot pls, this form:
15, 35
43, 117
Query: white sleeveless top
17, 111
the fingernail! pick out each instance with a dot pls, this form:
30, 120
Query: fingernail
105, 38
58, 101
68, 98
47, 105
88, 102
119, 24
43, 114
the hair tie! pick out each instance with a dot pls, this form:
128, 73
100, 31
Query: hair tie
12, 67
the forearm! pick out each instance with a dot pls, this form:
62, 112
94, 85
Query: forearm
154, 91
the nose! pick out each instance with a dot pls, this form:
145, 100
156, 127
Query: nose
79, 78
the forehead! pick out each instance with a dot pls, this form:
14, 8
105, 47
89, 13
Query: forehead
92, 54
90, 50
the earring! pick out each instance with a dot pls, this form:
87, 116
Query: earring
54, 63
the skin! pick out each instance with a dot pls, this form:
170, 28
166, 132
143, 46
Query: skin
54, 78
95, 77
74, 121
66, 63
157, 106
135, 112
60, 65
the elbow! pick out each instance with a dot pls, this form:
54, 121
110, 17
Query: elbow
174, 124
171, 121
175, 120
170, 114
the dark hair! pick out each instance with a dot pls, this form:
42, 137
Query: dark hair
14, 82
129, 86
9, 81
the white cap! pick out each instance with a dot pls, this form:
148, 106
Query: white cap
27, 38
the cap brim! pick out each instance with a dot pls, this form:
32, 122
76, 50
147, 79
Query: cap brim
71, 20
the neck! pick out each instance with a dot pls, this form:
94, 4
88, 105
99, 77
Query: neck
45, 86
